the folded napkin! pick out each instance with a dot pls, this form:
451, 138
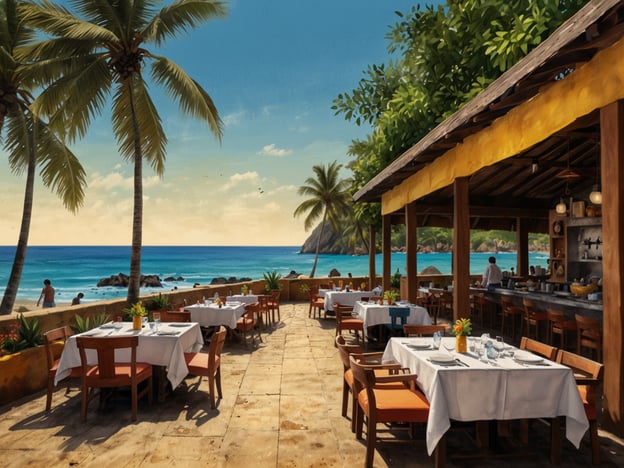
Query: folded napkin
164, 332
107, 325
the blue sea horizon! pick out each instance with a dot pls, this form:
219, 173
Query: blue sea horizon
74, 269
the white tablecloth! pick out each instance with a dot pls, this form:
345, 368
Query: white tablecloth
375, 314
344, 298
211, 315
159, 350
248, 299
483, 391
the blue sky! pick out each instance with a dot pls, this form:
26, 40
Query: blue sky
273, 68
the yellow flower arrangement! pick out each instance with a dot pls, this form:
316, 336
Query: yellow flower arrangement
462, 327
136, 310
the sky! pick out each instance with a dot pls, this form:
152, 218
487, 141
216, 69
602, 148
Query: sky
273, 68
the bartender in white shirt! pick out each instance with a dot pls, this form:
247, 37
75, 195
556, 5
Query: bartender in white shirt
492, 275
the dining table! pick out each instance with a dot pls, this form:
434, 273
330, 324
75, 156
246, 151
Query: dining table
165, 347
244, 298
378, 314
210, 314
467, 387
343, 297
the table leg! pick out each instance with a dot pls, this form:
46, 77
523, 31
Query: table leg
159, 373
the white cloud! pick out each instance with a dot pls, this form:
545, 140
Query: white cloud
233, 119
272, 150
235, 179
117, 180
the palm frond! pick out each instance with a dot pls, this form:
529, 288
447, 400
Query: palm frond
56, 20
71, 112
153, 140
181, 16
17, 143
191, 97
60, 169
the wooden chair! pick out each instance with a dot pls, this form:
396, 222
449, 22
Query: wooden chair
209, 364
544, 350
57, 335
247, 325
264, 310
398, 319
375, 298
533, 318
510, 313
175, 316
559, 325
372, 359
109, 373
588, 375
434, 307
589, 335
446, 303
317, 303
423, 330
274, 306
384, 405
346, 321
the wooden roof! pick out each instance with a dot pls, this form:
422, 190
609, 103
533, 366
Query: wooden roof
512, 185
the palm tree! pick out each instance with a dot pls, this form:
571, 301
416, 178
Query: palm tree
102, 53
328, 199
28, 140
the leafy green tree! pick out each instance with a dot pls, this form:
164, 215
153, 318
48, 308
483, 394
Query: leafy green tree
101, 52
447, 55
328, 200
27, 139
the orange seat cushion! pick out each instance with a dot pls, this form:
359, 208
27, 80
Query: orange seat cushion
123, 371
397, 405
352, 324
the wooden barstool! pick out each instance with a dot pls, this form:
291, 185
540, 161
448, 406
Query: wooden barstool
533, 318
510, 311
558, 324
589, 335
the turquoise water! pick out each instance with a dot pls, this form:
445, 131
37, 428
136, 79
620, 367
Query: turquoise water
78, 268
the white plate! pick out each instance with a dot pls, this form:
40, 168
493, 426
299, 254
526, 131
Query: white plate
441, 358
179, 324
107, 325
167, 333
530, 358
419, 344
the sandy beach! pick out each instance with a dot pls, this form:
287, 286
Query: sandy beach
25, 305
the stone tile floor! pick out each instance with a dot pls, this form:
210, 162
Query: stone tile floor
281, 408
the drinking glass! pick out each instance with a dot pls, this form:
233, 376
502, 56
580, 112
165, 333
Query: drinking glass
437, 338
157, 320
472, 342
482, 352
499, 346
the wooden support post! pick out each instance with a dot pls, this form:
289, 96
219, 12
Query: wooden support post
612, 181
386, 234
411, 238
461, 249
522, 243
372, 251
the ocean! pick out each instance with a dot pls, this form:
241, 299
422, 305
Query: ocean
74, 269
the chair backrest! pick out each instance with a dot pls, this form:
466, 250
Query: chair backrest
375, 298
216, 345
547, 351
399, 314
588, 323
364, 378
252, 310
275, 297
529, 306
342, 311
57, 334
423, 330
587, 373
555, 316
105, 348
345, 350
263, 301
175, 316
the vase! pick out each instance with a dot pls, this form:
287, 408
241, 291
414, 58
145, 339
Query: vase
461, 345
136, 322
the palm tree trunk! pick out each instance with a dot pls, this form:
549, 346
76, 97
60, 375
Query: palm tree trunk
318, 244
10, 294
134, 281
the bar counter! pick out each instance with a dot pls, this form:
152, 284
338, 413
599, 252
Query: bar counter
569, 304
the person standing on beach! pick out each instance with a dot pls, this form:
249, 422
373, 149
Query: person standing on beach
76, 300
492, 275
47, 294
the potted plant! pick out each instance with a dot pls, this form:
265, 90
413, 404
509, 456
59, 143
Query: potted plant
271, 281
28, 336
160, 302
137, 311
88, 323
390, 296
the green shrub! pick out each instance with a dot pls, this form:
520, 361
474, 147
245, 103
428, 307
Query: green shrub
28, 336
88, 323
